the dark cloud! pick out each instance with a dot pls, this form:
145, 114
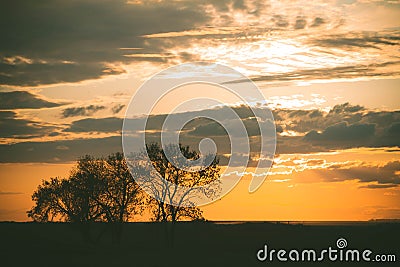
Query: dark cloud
215, 129
117, 108
317, 22
81, 111
23, 100
7, 115
378, 186
346, 108
304, 121
366, 174
57, 41
51, 152
13, 127
344, 126
385, 176
342, 72
392, 150
226, 6
280, 21
96, 125
342, 132
394, 130
45, 73
210, 129
300, 23
363, 40
382, 118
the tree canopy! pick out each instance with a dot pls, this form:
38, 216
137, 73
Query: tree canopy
98, 189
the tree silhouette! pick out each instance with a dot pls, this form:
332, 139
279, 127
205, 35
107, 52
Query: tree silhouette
194, 181
57, 200
97, 190
103, 189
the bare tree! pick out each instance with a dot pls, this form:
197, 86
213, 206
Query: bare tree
173, 176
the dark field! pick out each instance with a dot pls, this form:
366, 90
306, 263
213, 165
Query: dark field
184, 244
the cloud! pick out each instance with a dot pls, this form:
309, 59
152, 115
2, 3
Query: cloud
96, 125
300, 23
346, 108
81, 111
344, 126
387, 175
317, 22
340, 72
280, 21
303, 121
368, 174
210, 129
80, 40
342, 131
117, 108
344, 135
50, 151
268, 46
379, 186
58, 41
12, 127
23, 100
394, 130
359, 40
307, 120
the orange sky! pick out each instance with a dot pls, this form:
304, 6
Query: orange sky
300, 196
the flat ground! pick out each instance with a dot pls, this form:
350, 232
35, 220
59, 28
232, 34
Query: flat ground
184, 244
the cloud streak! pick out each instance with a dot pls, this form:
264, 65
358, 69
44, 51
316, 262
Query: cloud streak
372, 70
23, 100
81, 111
14, 127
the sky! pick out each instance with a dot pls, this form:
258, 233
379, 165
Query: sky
328, 70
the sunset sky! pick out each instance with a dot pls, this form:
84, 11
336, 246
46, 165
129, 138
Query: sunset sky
329, 70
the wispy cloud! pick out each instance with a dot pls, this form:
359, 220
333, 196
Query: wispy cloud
81, 111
